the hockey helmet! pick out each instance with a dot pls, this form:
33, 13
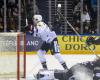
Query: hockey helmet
37, 18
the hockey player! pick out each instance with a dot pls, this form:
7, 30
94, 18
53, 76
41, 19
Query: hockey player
95, 64
92, 40
49, 41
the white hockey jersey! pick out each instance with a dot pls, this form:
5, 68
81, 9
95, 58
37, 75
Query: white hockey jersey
43, 31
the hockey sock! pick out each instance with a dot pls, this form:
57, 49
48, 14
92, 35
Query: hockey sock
60, 59
41, 55
44, 65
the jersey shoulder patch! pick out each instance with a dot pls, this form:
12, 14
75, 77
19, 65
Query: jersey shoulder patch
40, 24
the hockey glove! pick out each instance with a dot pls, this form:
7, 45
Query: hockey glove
90, 41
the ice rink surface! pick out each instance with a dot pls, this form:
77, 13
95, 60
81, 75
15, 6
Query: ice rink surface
33, 63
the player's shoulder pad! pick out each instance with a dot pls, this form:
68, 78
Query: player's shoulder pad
40, 24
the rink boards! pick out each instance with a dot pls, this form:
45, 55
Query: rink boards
71, 44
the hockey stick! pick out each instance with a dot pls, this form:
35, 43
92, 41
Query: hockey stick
67, 22
25, 10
